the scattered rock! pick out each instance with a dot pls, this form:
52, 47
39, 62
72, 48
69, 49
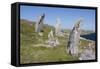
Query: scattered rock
88, 53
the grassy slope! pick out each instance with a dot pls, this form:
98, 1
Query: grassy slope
29, 53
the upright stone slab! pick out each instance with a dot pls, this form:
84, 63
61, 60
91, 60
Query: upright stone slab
52, 41
39, 24
58, 27
73, 42
50, 35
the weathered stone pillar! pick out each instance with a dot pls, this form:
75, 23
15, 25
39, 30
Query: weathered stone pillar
74, 37
58, 27
39, 24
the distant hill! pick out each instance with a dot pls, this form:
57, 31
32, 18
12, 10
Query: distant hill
29, 26
27, 21
85, 32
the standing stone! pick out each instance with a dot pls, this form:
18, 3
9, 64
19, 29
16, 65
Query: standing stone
52, 41
39, 24
58, 27
72, 47
50, 35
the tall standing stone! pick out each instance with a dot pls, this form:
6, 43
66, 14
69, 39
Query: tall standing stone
74, 37
50, 35
58, 27
39, 24
52, 41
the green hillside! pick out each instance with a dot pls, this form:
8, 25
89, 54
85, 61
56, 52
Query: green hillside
34, 49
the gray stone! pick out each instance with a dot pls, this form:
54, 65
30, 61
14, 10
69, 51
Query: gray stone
39, 24
58, 31
52, 41
88, 53
73, 42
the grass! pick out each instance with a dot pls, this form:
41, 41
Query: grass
29, 53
